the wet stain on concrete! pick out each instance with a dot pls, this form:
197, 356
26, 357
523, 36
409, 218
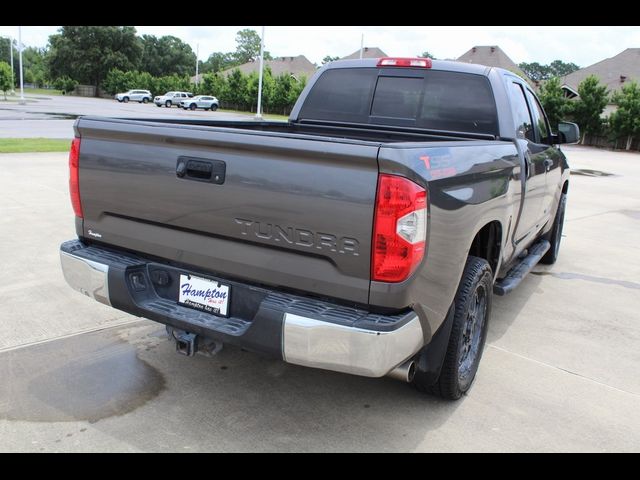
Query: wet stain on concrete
591, 173
87, 377
590, 278
35, 115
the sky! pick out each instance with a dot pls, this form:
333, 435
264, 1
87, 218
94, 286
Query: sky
581, 45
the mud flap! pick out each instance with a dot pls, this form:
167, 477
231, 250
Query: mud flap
431, 357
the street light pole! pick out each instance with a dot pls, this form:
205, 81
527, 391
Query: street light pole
361, 45
22, 102
259, 109
13, 81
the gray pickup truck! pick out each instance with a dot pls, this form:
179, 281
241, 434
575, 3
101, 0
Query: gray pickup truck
366, 235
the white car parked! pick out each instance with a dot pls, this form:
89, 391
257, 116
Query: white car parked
172, 98
201, 101
141, 96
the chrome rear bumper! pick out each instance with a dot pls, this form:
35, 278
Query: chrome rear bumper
368, 353
277, 326
86, 276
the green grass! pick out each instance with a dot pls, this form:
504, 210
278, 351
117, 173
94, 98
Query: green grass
22, 145
268, 116
39, 91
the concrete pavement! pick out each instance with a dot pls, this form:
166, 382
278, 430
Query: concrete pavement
559, 372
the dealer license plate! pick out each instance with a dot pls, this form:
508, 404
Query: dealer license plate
203, 294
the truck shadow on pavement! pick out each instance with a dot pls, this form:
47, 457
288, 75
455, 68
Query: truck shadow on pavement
506, 309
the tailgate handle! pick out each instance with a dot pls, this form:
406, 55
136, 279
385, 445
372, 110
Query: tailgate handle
212, 171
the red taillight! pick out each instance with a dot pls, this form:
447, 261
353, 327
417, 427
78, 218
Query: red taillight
74, 177
405, 62
399, 230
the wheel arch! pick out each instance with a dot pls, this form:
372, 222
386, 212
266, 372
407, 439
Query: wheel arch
487, 244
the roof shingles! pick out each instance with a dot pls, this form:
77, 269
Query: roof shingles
614, 72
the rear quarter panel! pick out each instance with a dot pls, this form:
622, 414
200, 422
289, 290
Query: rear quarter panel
469, 184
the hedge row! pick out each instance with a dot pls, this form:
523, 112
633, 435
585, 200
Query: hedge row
237, 90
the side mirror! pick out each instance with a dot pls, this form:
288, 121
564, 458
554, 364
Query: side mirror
568, 132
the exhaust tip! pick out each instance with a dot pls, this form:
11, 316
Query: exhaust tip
404, 372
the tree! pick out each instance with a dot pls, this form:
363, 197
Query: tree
5, 55
34, 64
535, 71
296, 91
5, 78
166, 55
282, 87
236, 87
588, 107
87, 53
65, 84
248, 48
426, 54
329, 58
557, 68
214, 84
554, 101
218, 61
625, 121
250, 100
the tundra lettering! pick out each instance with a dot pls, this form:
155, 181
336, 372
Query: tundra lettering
298, 236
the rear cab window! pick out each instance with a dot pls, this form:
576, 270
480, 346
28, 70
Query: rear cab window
418, 98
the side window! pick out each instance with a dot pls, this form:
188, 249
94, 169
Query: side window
539, 119
522, 116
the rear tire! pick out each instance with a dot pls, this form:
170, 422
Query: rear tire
555, 235
214, 108
145, 100
468, 333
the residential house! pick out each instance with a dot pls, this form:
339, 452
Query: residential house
613, 72
367, 52
297, 66
493, 56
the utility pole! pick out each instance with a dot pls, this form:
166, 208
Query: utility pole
22, 101
259, 109
13, 81
197, 55
361, 45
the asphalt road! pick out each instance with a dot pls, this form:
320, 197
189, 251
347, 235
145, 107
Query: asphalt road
53, 116
559, 373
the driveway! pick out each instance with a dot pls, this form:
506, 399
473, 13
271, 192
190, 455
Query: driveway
559, 373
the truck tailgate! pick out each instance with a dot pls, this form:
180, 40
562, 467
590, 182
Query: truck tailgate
286, 210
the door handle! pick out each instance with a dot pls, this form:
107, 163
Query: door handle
212, 171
